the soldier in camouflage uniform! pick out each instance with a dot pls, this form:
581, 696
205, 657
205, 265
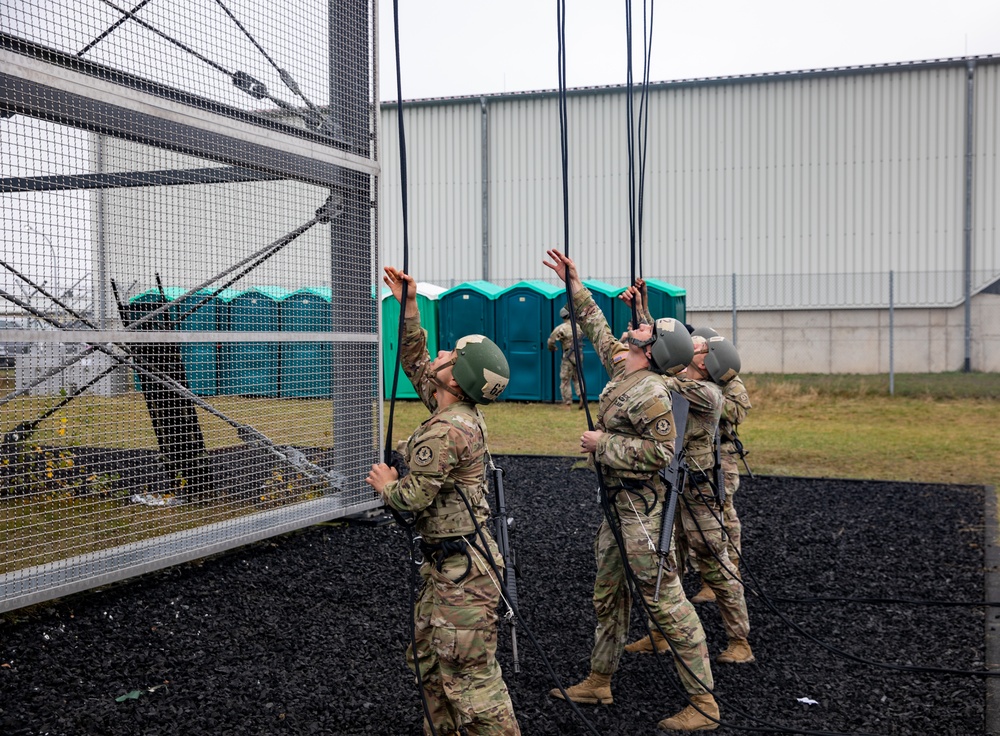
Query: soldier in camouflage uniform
455, 617
708, 406
563, 335
700, 512
632, 442
734, 410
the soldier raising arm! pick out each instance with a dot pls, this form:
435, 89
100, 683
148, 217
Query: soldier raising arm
632, 441
455, 617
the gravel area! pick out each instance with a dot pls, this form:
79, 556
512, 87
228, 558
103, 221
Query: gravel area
304, 634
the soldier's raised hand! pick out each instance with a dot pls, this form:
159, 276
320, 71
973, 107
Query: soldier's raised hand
564, 268
394, 279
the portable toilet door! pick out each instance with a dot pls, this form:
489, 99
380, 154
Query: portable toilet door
666, 300
525, 316
606, 297
199, 312
253, 368
427, 305
307, 366
467, 309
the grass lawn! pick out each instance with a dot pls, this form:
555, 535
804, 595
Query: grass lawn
937, 428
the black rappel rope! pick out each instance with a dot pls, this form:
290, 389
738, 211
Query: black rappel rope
387, 450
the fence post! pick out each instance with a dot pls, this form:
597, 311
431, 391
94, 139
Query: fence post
892, 375
734, 308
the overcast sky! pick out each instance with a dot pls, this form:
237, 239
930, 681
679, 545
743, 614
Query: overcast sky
467, 47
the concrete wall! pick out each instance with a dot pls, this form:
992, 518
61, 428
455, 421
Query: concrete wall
858, 340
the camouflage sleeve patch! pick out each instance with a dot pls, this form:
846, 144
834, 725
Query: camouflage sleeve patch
430, 453
657, 415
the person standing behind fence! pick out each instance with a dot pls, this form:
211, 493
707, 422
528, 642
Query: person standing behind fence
455, 617
633, 440
569, 381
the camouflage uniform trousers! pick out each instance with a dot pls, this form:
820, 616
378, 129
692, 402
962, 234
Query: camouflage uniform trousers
568, 381
702, 534
731, 478
456, 633
673, 612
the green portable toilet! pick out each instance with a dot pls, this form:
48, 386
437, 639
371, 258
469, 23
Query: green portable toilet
427, 305
617, 314
306, 367
197, 312
526, 314
253, 368
615, 310
200, 312
666, 300
467, 309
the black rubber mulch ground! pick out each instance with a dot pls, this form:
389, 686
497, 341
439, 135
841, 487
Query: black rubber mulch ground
304, 634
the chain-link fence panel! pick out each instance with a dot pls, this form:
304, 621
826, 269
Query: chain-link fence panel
190, 336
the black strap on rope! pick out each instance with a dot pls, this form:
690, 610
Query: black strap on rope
643, 132
564, 156
636, 178
387, 450
607, 507
610, 512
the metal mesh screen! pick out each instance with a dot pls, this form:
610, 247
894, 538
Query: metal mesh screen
190, 338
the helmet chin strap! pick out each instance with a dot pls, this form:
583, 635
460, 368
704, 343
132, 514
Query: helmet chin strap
441, 384
641, 343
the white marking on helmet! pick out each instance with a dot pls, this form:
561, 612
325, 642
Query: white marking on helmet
494, 385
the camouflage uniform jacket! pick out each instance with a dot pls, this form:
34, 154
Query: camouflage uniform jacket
563, 335
447, 451
638, 422
706, 403
734, 411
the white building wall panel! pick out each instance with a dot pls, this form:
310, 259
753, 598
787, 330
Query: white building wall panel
986, 177
815, 185
444, 191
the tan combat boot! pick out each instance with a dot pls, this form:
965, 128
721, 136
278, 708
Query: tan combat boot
690, 719
738, 652
595, 690
705, 595
644, 646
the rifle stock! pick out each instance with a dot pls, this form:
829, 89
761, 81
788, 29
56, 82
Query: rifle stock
717, 475
674, 477
502, 528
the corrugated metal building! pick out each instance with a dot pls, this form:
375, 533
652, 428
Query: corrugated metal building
795, 208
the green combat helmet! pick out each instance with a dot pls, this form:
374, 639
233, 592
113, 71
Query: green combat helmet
706, 332
672, 348
480, 369
722, 361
